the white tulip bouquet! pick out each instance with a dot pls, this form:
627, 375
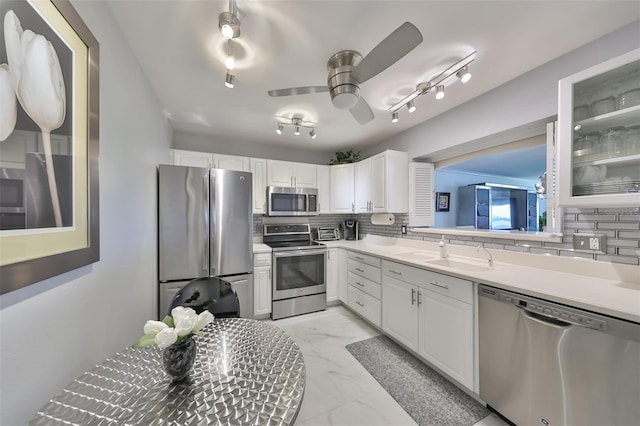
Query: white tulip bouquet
182, 323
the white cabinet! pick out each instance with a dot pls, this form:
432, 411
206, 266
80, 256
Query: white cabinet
231, 162
258, 167
261, 284
324, 193
285, 173
341, 179
191, 158
333, 275
599, 135
432, 314
342, 275
362, 177
390, 182
363, 286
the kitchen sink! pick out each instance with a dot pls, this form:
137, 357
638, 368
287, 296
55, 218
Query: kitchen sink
418, 256
465, 265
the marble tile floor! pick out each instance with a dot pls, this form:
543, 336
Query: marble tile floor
339, 391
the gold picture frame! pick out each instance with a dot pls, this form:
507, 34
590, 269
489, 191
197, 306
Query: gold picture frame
39, 252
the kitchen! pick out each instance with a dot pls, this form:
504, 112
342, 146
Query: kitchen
120, 290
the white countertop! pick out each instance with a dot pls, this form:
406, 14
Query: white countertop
261, 248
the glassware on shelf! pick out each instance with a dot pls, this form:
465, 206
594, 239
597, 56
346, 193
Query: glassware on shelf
603, 106
629, 99
581, 112
587, 148
631, 144
611, 141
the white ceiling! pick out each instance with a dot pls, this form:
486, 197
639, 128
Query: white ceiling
287, 43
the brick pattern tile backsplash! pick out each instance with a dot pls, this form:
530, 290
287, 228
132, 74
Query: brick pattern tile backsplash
620, 225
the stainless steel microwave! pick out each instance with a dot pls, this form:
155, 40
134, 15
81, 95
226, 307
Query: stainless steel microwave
285, 201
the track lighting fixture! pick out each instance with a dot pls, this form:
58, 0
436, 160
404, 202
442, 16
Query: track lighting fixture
460, 69
230, 60
228, 22
463, 74
296, 123
229, 80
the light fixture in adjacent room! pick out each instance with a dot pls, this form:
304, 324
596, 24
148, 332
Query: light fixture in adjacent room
228, 22
296, 123
463, 74
230, 80
460, 69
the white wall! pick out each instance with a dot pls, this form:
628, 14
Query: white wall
52, 331
510, 108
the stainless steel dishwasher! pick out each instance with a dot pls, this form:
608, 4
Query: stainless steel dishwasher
542, 363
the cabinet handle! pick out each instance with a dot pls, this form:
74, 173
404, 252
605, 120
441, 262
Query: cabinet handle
358, 303
395, 272
413, 296
359, 270
353, 207
359, 283
358, 257
295, 181
419, 300
440, 285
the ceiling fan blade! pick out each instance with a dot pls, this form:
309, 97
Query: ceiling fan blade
400, 42
362, 111
298, 90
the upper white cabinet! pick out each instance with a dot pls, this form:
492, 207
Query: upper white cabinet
390, 182
341, 178
324, 193
599, 135
191, 158
363, 184
258, 167
286, 173
231, 162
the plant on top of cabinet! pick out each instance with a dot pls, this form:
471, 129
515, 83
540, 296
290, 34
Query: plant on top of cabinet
343, 157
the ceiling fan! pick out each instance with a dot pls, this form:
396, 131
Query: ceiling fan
348, 69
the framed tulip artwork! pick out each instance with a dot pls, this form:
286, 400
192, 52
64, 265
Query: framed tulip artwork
49, 213
442, 201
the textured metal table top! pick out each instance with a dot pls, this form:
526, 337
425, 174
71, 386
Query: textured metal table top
246, 372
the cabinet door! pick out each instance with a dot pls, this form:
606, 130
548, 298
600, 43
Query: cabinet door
191, 158
341, 186
279, 173
400, 311
231, 162
262, 290
378, 179
304, 175
259, 170
322, 175
333, 275
446, 335
342, 274
363, 186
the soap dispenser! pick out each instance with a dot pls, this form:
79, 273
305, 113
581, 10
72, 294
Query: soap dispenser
443, 248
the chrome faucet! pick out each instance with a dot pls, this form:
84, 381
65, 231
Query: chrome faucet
490, 260
443, 248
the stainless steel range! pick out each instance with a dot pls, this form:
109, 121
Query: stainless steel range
299, 270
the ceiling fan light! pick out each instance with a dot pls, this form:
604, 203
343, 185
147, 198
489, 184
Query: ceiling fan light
279, 129
313, 134
297, 131
440, 92
230, 80
411, 106
394, 117
463, 74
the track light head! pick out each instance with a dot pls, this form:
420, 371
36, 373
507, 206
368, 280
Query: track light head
279, 129
394, 117
229, 25
411, 106
463, 74
440, 92
230, 80
313, 134
297, 131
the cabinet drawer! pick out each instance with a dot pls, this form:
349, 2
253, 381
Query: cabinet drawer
368, 286
364, 270
443, 284
365, 258
262, 259
365, 305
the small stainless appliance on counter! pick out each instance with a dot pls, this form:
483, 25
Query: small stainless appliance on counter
299, 270
326, 234
205, 229
350, 229
542, 363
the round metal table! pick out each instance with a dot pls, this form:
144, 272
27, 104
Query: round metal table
246, 372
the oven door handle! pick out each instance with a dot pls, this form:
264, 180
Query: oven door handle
299, 253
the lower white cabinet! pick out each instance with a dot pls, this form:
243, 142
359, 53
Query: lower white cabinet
333, 275
261, 284
432, 314
363, 286
342, 275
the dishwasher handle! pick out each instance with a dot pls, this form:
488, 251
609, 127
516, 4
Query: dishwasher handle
545, 319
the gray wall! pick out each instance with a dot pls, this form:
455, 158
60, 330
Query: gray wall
54, 330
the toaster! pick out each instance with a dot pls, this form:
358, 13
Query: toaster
327, 234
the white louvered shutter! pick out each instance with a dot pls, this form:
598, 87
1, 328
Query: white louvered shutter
421, 211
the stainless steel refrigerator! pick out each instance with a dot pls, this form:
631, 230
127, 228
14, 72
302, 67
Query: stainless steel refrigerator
204, 230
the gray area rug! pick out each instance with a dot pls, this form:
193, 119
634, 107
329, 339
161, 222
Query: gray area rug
424, 394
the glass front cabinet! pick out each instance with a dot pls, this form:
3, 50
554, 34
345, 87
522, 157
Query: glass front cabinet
599, 135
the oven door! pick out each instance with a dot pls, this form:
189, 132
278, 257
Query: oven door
299, 273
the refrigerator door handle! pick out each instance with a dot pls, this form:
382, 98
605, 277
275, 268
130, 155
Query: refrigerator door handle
212, 226
205, 196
